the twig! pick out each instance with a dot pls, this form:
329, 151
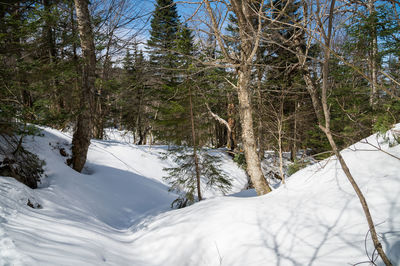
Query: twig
380, 149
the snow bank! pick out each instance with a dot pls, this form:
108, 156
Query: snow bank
118, 212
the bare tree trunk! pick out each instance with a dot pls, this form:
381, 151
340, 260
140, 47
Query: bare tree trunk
74, 46
82, 135
231, 140
138, 124
196, 159
98, 120
280, 135
260, 143
294, 142
248, 138
98, 127
247, 13
248, 49
373, 57
360, 195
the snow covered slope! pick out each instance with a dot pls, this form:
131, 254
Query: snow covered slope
117, 213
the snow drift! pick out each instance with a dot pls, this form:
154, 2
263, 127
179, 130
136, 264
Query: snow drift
117, 212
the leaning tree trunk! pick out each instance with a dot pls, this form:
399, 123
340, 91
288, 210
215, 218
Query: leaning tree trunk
327, 131
345, 168
322, 111
360, 195
82, 135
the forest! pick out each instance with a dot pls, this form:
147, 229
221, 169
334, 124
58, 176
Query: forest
300, 79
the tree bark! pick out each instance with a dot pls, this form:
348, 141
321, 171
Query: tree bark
82, 135
248, 48
248, 138
260, 142
231, 140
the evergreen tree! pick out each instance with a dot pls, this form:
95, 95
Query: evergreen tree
388, 28
183, 180
134, 96
370, 45
163, 58
174, 115
163, 40
37, 66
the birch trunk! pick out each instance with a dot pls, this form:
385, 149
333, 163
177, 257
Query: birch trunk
82, 135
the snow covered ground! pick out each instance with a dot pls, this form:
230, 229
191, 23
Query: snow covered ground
117, 212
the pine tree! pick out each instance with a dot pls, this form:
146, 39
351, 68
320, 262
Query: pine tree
369, 46
183, 178
134, 96
163, 58
388, 27
174, 115
163, 40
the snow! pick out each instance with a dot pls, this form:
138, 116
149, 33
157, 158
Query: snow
118, 211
